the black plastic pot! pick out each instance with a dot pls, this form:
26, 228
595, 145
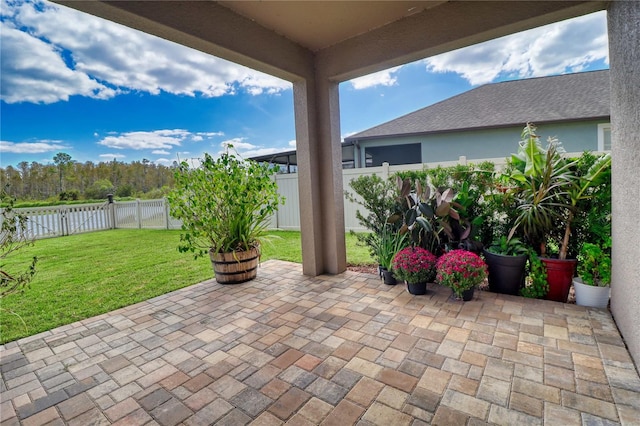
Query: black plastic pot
506, 273
388, 278
417, 288
467, 295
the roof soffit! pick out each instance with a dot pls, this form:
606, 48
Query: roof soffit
355, 38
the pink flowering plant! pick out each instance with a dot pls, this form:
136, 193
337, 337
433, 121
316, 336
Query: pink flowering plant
414, 265
461, 270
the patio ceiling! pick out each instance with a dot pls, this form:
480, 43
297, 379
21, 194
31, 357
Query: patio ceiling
352, 38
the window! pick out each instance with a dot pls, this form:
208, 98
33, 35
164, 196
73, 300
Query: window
604, 137
393, 154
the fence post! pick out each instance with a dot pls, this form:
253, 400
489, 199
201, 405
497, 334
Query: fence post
64, 224
139, 213
165, 203
462, 160
111, 211
385, 171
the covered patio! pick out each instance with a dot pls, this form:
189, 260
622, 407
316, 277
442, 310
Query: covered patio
317, 45
311, 343
332, 350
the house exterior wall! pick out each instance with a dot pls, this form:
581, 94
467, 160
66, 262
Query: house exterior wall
624, 52
491, 143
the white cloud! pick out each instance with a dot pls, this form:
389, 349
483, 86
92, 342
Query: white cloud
260, 151
164, 161
33, 71
380, 78
247, 150
47, 60
200, 136
157, 140
566, 46
238, 144
112, 156
292, 144
31, 147
346, 135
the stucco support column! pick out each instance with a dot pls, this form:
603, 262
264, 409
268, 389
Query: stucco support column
317, 114
624, 58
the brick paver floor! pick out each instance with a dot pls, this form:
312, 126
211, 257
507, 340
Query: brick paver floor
331, 350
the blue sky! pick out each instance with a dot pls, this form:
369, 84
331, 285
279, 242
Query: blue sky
63, 89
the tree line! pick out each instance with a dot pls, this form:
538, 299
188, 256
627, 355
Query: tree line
67, 179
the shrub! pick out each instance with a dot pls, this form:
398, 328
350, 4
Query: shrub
14, 235
376, 196
536, 285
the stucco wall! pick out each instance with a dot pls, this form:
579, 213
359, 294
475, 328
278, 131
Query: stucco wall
624, 54
493, 143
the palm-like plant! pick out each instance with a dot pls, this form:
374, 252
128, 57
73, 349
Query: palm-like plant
547, 188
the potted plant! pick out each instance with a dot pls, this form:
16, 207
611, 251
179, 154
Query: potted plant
387, 245
462, 271
225, 205
433, 220
549, 194
594, 270
415, 266
506, 260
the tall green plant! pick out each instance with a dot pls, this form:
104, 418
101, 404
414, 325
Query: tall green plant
472, 185
434, 220
594, 266
376, 196
536, 286
549, 189
592, 221
225, 204
389, 243
542, 181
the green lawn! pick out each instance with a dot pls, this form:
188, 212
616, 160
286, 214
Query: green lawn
84, 275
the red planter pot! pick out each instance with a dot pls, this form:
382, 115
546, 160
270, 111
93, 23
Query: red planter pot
559, 276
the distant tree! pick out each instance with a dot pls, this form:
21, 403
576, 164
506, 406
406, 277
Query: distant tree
62, 161
125, 190
35, 181
100, 189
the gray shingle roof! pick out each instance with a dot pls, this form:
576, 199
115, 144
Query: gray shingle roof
545, 99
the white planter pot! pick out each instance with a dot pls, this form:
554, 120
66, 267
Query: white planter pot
589, 295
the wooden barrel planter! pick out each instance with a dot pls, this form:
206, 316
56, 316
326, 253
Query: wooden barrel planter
235, 267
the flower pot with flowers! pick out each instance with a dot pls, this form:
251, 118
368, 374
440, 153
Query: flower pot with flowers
462, 271
416, 266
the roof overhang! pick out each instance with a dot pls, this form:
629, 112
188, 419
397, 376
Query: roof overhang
356, 139
349, 39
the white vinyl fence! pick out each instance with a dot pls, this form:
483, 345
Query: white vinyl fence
57, 221
288, 216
